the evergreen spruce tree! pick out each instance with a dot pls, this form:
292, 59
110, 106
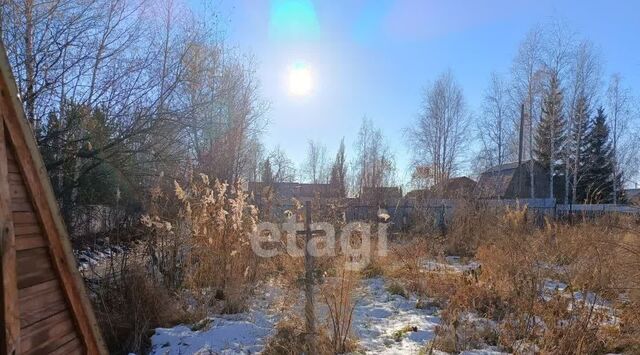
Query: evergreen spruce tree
598, 180
337, 180
550, 136
579, 148
267, 173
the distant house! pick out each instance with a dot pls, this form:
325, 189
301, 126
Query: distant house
284, 192
454, 188
632, 196
512, 181
382, 195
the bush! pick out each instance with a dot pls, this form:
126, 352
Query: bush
129, 306
290, 339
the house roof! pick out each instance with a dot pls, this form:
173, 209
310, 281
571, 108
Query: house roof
383, 191
44, 264
632, 193
295, 189
495, 181
454, 187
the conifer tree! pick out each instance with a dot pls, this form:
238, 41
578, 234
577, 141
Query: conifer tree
267, 173
598, 179
550, 136
339, 172
579, 154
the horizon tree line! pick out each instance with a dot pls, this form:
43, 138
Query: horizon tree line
119, 92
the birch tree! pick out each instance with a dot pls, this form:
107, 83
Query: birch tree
315, 166
583, 88
438, 135
374, 164
527, 75
495, 128
620, 107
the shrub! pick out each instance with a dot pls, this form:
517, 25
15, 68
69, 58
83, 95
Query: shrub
338, 297
396, 288
129, 306
289, 339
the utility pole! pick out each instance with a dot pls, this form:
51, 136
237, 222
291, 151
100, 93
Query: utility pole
520, 146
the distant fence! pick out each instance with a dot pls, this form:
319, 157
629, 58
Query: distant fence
439, 212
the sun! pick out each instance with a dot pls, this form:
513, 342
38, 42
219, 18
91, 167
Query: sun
300, 80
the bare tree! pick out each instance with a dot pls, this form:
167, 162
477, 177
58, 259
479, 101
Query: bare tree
282, 168
374, 164
438, 135
527, 74
494, 127
619, 104
131, 88
315, 166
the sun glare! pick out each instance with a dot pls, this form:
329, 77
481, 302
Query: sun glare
300, 80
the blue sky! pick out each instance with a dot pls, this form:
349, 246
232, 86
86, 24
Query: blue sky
374, 57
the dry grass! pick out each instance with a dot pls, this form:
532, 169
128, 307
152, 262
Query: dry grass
338, 296
206, 247
129, 307
594, 258
203, 254
290, 339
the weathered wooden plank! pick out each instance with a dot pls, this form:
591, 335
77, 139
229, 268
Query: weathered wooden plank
38, 289
47, 334
41, 306
21, 206
9, 313
15, 178
72, 347
24, 218
35, 267
34, 313
18, 192
54, 343
12, 166
30, 241
32, 258
24, 229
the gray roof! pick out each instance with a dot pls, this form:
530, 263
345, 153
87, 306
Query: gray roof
632, 193
495, 181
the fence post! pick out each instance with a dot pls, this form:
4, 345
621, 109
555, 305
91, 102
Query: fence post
309, 308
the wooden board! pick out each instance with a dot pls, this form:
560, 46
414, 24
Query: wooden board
10, 337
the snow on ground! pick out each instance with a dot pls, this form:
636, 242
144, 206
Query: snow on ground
550, 288
237, 334
243, 333
379, 314
383, 323
453, 264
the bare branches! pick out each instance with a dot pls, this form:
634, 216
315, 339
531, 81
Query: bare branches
139, 87
374, 164
439, 133
495, 128
316, 168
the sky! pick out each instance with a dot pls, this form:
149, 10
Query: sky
374, 58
